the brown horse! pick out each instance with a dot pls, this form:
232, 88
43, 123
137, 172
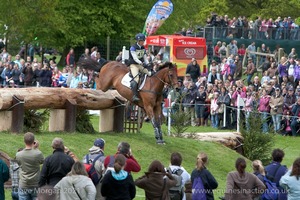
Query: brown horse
111, 74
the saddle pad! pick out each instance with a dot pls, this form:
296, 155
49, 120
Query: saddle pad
126, 81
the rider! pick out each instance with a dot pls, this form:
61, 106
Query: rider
137, 56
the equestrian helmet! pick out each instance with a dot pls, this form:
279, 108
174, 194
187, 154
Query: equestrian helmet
140, 37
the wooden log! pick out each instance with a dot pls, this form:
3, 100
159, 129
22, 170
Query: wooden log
42, 97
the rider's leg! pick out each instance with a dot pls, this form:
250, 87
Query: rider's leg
134, 83
144, 70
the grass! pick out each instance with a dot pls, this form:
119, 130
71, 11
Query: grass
144, 148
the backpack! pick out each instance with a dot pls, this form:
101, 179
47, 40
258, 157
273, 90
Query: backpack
198, 190
90, 168
176, 192
271, 192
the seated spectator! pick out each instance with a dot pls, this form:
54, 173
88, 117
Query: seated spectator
209, 182
56, 166
274, 171
131, 163
291, 182
240, 184
118, 184
154, 183
76, 185
96, 152
176, 161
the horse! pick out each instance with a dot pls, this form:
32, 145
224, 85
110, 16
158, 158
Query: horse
111, 74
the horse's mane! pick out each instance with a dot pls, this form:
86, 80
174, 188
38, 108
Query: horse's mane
165, 65
89, 63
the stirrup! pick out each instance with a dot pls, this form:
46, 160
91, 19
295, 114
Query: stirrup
135, 98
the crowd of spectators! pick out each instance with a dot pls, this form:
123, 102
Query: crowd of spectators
219, 26
273, 91
64, 176
18, 72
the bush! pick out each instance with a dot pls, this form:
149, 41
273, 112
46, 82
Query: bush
34, 120
257, 145
83, 122
180, 122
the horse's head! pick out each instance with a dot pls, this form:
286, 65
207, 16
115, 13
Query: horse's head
170, 75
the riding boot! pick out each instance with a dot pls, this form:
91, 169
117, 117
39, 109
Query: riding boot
134, 86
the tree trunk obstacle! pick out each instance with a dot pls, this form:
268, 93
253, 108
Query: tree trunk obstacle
63, 103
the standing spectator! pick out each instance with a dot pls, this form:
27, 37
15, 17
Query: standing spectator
31, 52
131, 163
282, 69
14, 175
29, 160
4, 176
86, 54
70, 59
154, 183
224, 103
118, 184
216, 51
214, 108
176, 160
296, 114
45, 76
289, 99
252, 48
96, 152
275, 171
100, 60
293, 54
209, 182
240, 184
223, 51
291, 182
94, 51
16, 75
276, 104
188, 100
76, 185
28, 75
239, 68
250, 70
233, 49
193, 69
200, 98
213, 76
56, 166
264, 108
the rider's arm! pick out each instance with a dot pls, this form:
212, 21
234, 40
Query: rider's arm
135, 58
146, 61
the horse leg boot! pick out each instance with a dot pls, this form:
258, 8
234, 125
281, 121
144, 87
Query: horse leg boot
157, 131
161, 140
134, 85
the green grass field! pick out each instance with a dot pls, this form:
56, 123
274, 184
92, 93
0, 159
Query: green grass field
144, 148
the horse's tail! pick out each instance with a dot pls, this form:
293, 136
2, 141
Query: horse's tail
89, 63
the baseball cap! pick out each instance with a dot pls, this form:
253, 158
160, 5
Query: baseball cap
187, 75
291, 89
99, 142
277, 88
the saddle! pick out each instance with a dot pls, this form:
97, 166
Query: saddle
128, 78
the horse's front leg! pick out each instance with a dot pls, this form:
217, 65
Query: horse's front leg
155, 122
158, 119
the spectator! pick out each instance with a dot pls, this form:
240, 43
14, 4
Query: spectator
100, 59
216, 51
56, 166
193, 69
131, 163
14, 175
223, 51
250, 70
295, 120
29, 160
200, 98
240, 184
233, 49
276, 104
96, 152
4, 176
188, 100
259, 170
291, 182
118, 184
45, 76
31, 52
153, 182
214, 108
16, 75
76, 185
286, 123
70, 59
213, 75
264, 109
94, 51
273, 70
86, 54
176, 160
282, 69
275, 171
289, 99
209, 182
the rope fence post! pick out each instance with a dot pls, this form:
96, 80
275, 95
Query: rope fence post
169, 114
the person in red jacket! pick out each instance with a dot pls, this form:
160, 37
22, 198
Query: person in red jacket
131, 163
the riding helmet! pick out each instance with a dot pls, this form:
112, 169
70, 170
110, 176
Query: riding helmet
140, 37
